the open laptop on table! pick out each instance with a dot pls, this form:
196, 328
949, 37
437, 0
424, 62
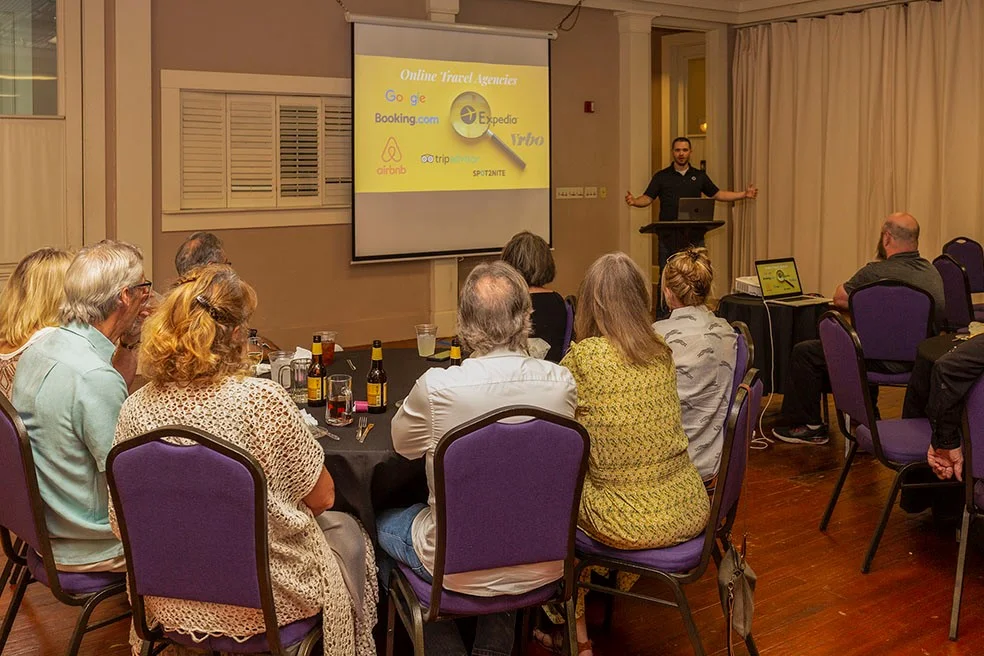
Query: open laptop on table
780, 283
696, 209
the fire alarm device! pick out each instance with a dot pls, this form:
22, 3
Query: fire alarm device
589, 107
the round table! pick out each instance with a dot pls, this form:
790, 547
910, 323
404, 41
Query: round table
930, 350
371, 477
790, 326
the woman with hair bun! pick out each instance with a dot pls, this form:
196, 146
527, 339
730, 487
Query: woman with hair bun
704, 352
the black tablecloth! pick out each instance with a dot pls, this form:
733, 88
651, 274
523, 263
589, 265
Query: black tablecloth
371, 477
930, 350
790, 325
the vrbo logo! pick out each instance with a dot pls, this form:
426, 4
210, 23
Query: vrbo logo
414, 99
528, 139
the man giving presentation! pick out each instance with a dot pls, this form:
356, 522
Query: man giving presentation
680, 180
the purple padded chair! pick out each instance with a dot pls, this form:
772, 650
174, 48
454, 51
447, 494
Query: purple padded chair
569, 303
970, 255
899, 444
22, 513
891, 319
973, 475
685, 563
506, 494
193, 519
956, 290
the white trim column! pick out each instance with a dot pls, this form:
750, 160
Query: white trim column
444, 273
635, 129
94, 120
134, 130
718, 89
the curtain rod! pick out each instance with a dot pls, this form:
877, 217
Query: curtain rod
824, 14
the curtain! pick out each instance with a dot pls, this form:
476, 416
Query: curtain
845, 119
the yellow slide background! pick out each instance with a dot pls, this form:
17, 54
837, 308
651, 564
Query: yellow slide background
431, 155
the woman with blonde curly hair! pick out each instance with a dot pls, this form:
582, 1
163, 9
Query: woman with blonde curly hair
29, 307
194, 353
704, 354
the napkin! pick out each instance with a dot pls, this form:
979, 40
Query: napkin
975, 328
537, 348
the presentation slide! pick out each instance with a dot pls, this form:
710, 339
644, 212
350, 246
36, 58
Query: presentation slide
451, 126
451, 138
779, 278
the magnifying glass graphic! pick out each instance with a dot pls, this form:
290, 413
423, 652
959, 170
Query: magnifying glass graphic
465, 112
781, 277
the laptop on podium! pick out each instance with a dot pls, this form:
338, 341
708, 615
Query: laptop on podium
696, 209
780, 283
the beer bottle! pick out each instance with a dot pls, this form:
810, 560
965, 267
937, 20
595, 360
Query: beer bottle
455, 352
376, 391
316, 376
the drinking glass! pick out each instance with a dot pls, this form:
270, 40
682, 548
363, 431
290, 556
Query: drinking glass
340, 403
280, 360
298, 379
328, 346
426, 339
254, 354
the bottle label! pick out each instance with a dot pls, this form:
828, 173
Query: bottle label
455, 352
377, 353
316, 389
375, 394
316, 348
385, 393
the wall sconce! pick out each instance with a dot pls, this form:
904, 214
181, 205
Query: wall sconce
703, 127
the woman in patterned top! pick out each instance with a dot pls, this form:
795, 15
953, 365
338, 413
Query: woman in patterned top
704, 353
194, 353
641, 490
29, 306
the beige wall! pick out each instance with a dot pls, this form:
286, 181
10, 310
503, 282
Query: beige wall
302, 275
585, 146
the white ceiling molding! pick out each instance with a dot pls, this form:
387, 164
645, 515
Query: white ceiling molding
707, 14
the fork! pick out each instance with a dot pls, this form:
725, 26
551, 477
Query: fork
360, 433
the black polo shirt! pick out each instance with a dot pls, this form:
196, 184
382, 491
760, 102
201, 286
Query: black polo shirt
669, 186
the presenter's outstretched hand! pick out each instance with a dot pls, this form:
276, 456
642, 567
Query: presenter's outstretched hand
751, 192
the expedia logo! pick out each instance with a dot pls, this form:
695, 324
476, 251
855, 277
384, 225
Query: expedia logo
391, 155
469, 115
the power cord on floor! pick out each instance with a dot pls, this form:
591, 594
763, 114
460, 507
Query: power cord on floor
762, 442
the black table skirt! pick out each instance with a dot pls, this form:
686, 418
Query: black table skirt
790, 325
371, 477
930, 350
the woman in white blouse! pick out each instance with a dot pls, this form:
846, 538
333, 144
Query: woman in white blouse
193, 351
704, 352
29, 306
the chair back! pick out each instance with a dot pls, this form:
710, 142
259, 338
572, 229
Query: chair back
508, 494
21, 506
569, 330
973, 443
970, 255
744, 355
956, 291
193, 520
741, 424
891, 319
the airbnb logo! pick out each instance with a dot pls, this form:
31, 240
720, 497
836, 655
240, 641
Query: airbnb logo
391, 151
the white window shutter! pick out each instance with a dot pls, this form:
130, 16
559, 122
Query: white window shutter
299, 127
252, 150
203, 150
336, 148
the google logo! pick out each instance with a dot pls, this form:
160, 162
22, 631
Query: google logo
414, 99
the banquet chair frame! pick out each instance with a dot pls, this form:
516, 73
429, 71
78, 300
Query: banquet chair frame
863, 330
570, 303
16, 550
971, 510
261, 546
975, 269
964, 299
901, 469
716, 537
404, 602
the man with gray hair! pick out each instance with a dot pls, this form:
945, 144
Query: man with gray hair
197, 250
494, 323
69, 393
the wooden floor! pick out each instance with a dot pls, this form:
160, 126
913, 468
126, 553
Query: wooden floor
811, 598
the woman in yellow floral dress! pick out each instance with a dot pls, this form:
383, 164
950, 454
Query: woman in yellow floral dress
641, 491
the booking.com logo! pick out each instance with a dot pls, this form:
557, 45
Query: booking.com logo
448, 159
406, 119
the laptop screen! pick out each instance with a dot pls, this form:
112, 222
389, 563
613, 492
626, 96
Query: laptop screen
778, 278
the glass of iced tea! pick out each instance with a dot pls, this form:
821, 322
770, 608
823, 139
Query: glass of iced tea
340, 403
328, 346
